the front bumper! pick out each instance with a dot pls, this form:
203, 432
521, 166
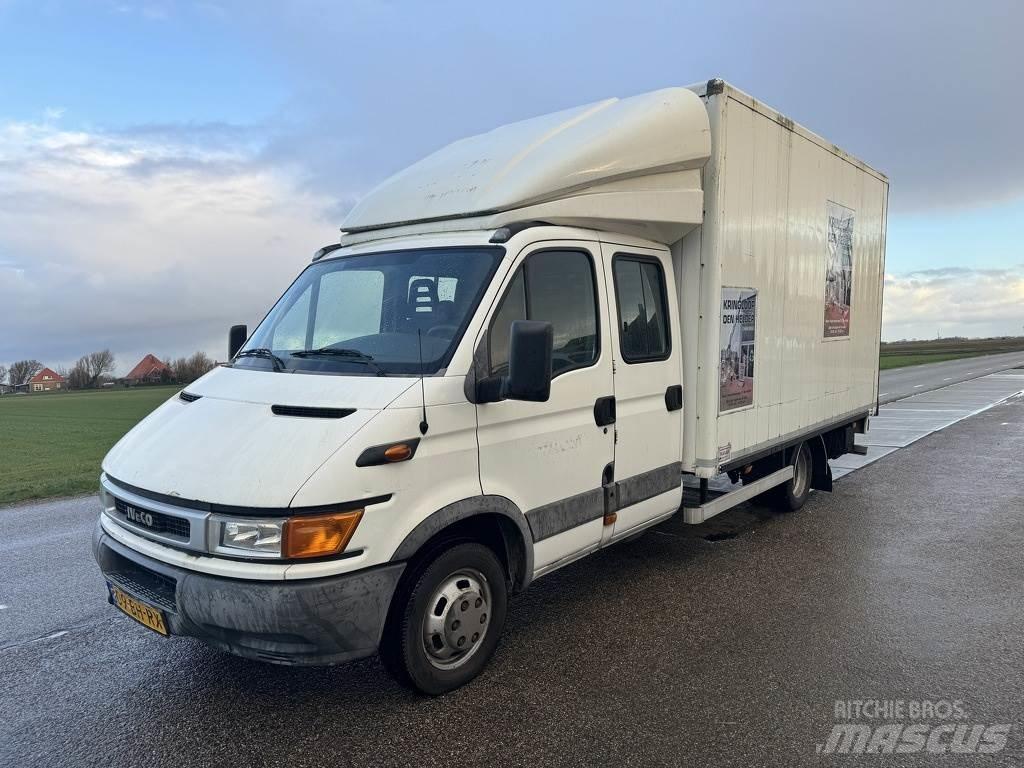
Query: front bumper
307, 622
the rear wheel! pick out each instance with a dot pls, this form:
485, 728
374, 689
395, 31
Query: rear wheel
791, 495
449, 620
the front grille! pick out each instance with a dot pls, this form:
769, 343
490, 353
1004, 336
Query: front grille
157, 522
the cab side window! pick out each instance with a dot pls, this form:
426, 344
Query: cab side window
642, 309
556, 287
513, 307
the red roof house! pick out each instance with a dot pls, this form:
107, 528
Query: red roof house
46, 380
150, 370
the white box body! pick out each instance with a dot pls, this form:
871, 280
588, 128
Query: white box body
769, 187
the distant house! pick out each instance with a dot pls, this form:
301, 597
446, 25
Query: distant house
150, 370
46, 381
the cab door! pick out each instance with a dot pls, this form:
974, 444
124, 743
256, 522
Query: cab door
648, 384
549, 458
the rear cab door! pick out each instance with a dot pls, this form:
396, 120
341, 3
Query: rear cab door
647, 360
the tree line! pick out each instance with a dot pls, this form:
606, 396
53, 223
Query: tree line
187, 369
96, 368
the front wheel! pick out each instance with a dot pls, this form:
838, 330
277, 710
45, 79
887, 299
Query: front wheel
449, 620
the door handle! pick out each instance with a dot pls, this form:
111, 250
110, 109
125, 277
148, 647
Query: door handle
674, 397
604, 410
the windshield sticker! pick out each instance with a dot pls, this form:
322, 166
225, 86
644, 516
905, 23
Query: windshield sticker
838, 271
736, 362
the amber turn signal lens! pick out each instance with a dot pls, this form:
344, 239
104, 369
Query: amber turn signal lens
398, 452
319, 535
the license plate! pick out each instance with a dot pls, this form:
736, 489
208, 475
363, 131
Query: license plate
138, 610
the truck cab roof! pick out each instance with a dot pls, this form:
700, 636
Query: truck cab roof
631, 165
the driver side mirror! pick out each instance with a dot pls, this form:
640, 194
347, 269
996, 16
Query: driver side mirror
529, 366
236, 338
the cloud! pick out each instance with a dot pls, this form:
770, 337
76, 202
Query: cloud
925, 96
155, 237
954, 301
143, 241
150, 11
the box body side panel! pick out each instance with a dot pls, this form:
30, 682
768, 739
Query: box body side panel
793, 250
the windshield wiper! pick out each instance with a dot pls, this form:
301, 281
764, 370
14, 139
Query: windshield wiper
351, 354
265, 354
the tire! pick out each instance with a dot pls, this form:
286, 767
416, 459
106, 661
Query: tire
792, 494
446, 623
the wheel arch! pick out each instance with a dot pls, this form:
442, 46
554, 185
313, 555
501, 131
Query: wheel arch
821, 472
493, 520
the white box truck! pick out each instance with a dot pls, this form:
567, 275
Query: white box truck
530, 345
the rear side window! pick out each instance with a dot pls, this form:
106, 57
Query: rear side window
642, 309
555, 287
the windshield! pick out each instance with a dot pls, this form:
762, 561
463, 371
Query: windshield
370, 314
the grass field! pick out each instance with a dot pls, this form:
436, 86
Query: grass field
902, 361
899, 354
52, 445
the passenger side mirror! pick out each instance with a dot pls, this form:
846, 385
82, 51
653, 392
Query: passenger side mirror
236, 338
529, 361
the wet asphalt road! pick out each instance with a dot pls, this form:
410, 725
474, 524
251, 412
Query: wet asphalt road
906, 583
898, 383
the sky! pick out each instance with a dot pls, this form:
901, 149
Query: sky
167, 168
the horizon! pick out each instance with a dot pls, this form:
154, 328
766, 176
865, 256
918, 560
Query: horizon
122, 367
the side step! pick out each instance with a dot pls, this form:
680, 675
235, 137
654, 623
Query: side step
695, 512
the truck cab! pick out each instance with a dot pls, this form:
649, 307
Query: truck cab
395, 421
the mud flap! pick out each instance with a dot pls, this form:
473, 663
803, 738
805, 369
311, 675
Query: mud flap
821, 475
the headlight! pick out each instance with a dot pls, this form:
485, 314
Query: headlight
105, 498
294, 537
251, 537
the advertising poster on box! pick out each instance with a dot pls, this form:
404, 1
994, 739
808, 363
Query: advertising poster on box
838, 271
736, 362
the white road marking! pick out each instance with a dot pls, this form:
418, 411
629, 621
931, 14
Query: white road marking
918, 386
3, 607
921, 413
893, 421
947, 378
51, 636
